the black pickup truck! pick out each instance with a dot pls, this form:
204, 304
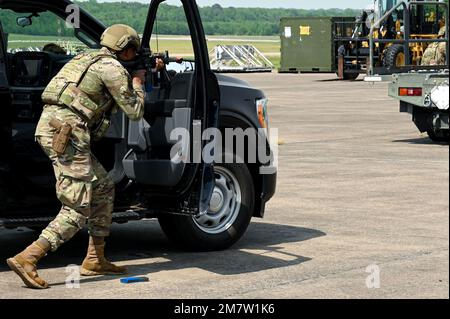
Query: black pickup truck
200, 206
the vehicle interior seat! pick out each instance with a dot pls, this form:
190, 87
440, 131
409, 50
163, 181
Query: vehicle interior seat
30, 69
150, 138
29, 74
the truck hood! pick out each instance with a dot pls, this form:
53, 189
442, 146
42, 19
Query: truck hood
225, 80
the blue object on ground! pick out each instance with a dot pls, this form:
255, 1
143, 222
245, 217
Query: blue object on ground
131, 280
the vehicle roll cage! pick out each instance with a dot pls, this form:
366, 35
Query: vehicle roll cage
407, 40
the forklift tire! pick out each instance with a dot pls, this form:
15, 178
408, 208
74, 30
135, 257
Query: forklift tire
351, 76
227, 220
348, 76
394, 56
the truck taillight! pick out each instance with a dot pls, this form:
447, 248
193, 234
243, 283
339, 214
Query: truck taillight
410, 91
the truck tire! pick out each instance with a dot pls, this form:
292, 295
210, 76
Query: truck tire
227, 220
394, 56
440, 137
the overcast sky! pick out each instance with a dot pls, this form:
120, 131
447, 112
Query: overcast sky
300, 4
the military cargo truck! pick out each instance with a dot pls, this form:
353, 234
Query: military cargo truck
425, 96
421, 89
389, 36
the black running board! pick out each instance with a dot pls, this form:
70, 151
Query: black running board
43, 221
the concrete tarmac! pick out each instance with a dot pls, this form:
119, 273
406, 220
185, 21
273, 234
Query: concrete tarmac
361, 211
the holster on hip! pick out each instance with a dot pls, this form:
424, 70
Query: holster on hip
62, 136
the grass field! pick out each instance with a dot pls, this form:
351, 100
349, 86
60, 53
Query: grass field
176, 45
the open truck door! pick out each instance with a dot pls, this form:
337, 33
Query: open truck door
5, 120
186, 102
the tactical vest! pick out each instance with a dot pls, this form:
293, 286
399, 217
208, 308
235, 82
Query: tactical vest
63, 88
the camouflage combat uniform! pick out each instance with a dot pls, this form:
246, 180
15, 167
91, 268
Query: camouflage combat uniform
83, 186
435, 54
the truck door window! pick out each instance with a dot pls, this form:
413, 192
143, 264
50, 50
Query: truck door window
171, 34
47, 32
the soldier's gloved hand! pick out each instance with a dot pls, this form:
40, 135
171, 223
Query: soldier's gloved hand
139, 77
159, 65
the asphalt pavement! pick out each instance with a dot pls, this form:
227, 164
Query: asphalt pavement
361, 211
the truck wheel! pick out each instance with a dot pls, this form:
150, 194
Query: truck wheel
230, 212
394, 56
440, 137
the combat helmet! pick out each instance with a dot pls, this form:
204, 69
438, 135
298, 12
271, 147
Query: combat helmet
118, 36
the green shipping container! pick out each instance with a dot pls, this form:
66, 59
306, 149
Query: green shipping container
307, 44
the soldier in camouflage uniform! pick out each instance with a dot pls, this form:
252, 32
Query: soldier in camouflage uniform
435, 54
83, 94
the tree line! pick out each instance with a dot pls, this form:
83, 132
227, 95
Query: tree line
216, 19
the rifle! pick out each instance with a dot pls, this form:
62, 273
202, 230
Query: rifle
145, 60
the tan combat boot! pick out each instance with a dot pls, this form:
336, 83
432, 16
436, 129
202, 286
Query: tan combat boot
24, 264
95, 263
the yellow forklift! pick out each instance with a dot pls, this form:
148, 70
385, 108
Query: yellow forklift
401, 31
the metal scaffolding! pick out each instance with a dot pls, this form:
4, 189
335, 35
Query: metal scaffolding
239, 58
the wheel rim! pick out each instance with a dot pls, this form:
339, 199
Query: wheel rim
225, 203
400, 60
